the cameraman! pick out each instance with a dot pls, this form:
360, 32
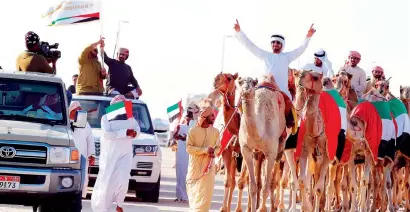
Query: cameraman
31, 61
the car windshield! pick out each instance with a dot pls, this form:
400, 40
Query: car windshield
32, 101
96, 109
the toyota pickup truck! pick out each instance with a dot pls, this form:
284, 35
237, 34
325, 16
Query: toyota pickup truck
39, 163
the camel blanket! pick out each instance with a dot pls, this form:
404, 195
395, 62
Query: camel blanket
380, 130
329, 107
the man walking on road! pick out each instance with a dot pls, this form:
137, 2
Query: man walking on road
202, 147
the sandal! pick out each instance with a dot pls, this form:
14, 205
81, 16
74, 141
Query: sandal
177, 200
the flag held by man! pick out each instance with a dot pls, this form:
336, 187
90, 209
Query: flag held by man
119, 111
73, 12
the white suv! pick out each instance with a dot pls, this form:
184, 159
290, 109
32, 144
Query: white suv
146, 169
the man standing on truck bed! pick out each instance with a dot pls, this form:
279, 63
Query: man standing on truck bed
120, 75
92, 74
30, 60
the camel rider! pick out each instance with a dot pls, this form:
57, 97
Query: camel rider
321, 64
378, 74
120, 75
358, 81
277, 62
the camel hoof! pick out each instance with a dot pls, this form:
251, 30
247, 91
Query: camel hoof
223, 209
292, 209
238, 210
262, 209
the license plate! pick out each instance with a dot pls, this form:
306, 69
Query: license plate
9, 182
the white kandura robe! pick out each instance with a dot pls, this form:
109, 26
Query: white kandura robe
115, 163
358, 81
84, 141
182, 158
276, 64
322, 70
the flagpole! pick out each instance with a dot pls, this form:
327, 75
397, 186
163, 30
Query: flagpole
117, 40
101, 32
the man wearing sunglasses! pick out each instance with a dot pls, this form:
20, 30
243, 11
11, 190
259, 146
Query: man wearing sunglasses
277, 62
91, 73
120, 75
358, 81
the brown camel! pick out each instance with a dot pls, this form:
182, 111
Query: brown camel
261, 128
315, 140
403, 155
342, 82
224, 83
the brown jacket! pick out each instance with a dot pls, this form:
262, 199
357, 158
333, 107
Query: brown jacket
32, 62
89, 79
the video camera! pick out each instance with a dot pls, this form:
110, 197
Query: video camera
47, 52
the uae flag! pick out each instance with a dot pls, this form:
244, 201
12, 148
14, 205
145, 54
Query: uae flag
119, 111
329, 107
402, 124
174, 111
380, 130
73, 12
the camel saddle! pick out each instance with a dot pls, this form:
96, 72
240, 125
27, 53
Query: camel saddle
290, 113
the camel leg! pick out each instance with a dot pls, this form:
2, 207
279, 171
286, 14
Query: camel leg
241, 185
232, 173
283, 184
319, 187
365, 183
353, 186
395, 187
227, 158
275, 186
338, 191
407, 186
247, 156
305, 181
294, 186
330, 186
345, 187
270, 162
259, 158
388, 184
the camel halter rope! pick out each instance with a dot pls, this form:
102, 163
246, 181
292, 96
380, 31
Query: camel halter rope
211, 159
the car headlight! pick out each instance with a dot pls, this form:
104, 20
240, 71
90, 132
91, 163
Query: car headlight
63, 155
147, 150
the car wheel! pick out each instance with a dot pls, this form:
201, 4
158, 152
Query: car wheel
152, 196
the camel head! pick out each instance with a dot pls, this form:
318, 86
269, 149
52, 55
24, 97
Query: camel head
327, 83
225, 82
247, 87
356, 129
310, 80
404, 92
342, 81
383, 87
373, 96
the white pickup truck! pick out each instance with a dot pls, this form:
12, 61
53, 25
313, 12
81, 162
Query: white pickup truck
145, 175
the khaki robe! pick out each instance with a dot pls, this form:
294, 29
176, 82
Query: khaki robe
200, 190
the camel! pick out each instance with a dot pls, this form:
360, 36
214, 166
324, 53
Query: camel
381, 173
315, 140
261, 128
401, 160
342, 82
224, 84
403, 156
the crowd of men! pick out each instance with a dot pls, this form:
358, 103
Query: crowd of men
197, 138
89, 81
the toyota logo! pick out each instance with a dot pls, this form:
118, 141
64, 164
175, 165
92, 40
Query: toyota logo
7, 152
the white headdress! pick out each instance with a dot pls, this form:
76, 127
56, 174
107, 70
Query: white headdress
327, 65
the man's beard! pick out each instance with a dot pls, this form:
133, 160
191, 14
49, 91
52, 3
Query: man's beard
378, 77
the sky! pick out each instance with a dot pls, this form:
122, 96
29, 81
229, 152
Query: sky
176, 45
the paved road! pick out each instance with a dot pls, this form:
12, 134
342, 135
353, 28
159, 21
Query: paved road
167, 194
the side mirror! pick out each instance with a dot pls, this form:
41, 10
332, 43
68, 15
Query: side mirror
80, 119
160, 128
